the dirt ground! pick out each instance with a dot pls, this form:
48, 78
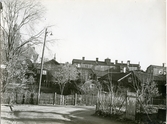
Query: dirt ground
28, 114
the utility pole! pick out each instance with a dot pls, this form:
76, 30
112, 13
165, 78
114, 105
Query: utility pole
41, 72
1, 42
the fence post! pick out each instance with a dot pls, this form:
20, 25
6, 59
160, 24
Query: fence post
63, 100
23, 99
54, 99
92, 100
97, 101
39, 99
75, 103
86, 97
126, 101
16, 98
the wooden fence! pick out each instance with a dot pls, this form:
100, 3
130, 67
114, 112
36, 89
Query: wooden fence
131, 103
158, 101
48, 98
108, 103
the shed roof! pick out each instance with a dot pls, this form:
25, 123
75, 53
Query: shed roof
115, 76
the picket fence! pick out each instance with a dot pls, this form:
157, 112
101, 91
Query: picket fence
49, 99
108, 103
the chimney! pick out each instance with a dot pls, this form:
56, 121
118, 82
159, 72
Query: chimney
128, 62
97, 59
121, 62
55, 56
124, 69
163, 64
107, 61
83, 58
139, 66
116, 61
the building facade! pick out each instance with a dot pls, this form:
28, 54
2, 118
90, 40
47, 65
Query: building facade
100, 68
46, 83
156, 70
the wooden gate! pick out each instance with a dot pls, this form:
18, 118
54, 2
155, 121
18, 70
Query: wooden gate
131, 101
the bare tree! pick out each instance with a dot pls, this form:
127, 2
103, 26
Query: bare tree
65, 74
145, 86
90, 87
18, 19
62, 75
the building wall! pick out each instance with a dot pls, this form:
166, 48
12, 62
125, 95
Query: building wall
104, 66
156, 70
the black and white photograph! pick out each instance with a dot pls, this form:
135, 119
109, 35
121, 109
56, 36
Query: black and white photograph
83, 61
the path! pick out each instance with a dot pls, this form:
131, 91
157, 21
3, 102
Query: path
26, 114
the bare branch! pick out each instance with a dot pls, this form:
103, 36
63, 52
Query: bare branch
17, 14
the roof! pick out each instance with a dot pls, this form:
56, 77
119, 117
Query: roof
115, 76
91, 62
155, 66
38, 66
52, 61
140, 75
100, 73
130, 65
127, 75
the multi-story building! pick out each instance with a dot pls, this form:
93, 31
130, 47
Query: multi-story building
100, 68
93, 64
156, 70
125, 67
97, 67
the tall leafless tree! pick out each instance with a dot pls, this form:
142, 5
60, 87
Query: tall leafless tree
18, 19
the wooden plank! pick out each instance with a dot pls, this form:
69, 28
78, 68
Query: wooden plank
131, 105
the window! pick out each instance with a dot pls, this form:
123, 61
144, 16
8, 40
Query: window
91, 86
160, 72
44, 72
129, 79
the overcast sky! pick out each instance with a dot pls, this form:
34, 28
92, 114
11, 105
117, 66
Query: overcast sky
117, 29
